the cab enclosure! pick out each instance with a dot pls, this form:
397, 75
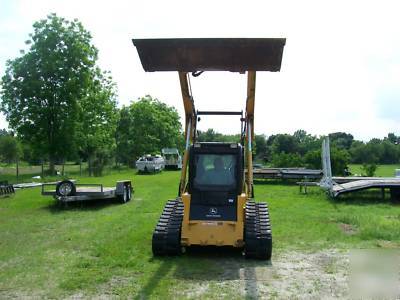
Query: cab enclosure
215, 180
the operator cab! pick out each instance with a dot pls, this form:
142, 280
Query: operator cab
215, 180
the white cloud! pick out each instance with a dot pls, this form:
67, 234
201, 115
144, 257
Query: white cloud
338, 55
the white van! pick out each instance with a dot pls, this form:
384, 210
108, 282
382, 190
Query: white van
150, 163
172, 158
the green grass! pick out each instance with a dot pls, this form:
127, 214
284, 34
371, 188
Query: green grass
381, 171
104, 248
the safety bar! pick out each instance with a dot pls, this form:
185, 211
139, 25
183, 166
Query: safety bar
220, 113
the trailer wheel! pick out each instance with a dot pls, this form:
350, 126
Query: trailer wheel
126, 195
65, 188
129, 190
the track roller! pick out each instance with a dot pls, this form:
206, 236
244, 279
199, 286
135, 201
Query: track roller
257, 231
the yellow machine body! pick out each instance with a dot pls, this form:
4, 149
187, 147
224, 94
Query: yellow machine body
213, 233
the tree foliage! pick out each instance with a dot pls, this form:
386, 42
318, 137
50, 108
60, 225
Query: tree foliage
97, 121
147, 126
341, 140
10, 148
55, 97
41, 88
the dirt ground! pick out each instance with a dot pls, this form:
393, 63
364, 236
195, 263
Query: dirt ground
293, 275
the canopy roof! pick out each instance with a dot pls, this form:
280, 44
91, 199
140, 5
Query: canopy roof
211, 54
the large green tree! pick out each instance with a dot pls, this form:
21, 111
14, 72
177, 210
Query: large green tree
41, 88
97, 122
10, 148
147, 126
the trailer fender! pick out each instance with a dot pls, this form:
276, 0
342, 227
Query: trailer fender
120, 186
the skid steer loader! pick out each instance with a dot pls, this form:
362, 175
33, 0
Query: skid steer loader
215, 204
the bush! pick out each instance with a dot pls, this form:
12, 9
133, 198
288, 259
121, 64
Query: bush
313, 160
339, 160
287, 160
369, 169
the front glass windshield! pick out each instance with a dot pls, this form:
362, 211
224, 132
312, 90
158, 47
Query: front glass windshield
215, 169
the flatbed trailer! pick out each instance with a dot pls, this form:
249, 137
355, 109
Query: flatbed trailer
286, 173
346, 179
337, 186
68, 191
392, 184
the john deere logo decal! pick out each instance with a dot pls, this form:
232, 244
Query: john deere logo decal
213, 213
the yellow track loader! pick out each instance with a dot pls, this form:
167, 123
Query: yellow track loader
215, 204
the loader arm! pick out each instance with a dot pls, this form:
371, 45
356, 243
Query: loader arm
249, 130
190, 125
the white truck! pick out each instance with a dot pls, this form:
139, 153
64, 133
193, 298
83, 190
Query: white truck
150, 164
172, 158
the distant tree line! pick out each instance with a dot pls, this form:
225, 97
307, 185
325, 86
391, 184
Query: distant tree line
302, 149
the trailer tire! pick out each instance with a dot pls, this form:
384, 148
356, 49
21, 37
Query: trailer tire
65, 188
126, 195
129, 190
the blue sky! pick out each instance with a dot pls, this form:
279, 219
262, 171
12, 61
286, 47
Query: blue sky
340, 71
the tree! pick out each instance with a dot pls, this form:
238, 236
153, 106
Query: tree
147, 126
284, 143
209, 136
212, 136
97, 122
306, 142
369, 169
3, 132
393, 138
10, 148
41, 88
341, 140
260, 141
339, 160
287, 160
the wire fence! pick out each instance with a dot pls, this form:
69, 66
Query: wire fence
23, 172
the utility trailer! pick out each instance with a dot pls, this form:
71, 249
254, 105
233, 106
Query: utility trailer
68, 191
172, 158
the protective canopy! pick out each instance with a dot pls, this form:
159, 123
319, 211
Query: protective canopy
214, 54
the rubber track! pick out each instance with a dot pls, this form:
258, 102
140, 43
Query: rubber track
167, 234
257, 231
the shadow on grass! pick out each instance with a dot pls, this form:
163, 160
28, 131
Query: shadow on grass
291, 182
365, 197
89, 205
208, 264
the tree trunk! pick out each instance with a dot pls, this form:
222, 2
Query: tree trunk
17, 169
90, 165
51, 166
